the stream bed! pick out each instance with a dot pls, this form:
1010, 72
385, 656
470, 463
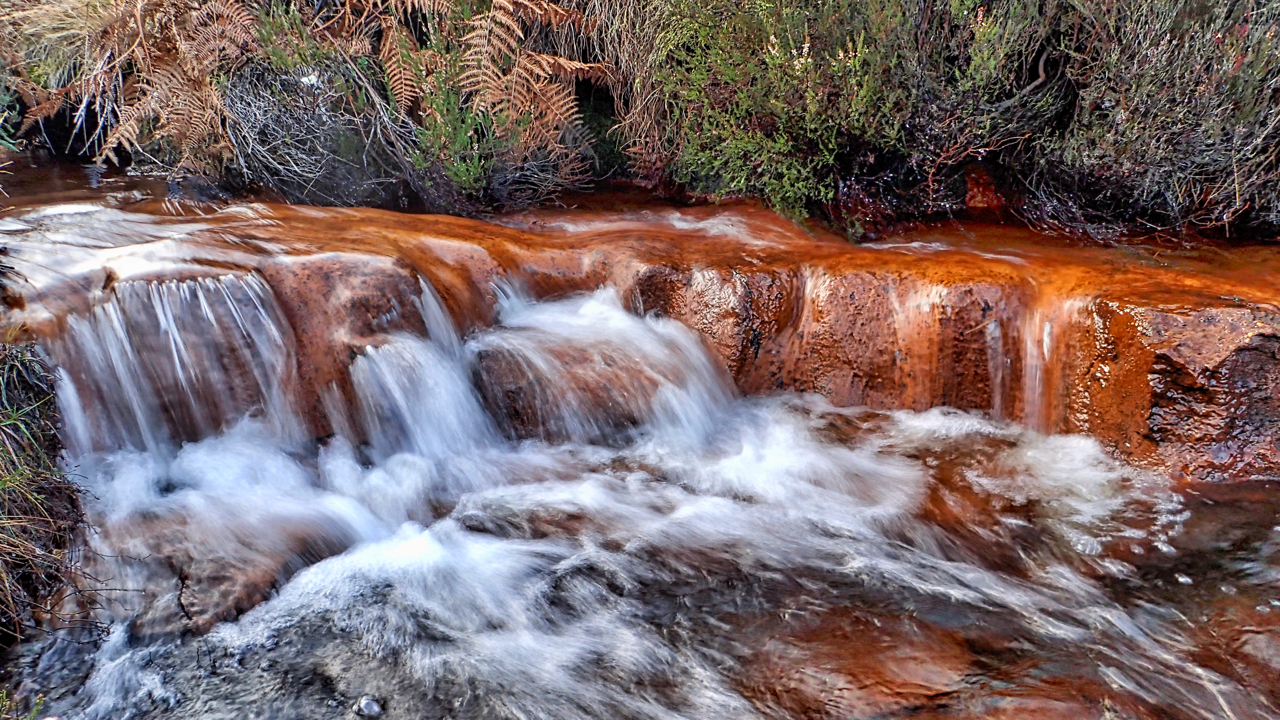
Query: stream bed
426, 485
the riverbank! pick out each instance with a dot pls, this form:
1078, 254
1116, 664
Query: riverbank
1098, 118
39, 504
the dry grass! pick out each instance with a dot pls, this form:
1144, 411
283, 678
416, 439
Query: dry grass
154, 77
39, 506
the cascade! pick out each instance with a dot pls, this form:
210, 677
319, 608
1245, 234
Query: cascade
541, 489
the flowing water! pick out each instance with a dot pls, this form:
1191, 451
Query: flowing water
570, 510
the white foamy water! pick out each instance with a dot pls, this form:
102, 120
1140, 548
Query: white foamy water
597, 559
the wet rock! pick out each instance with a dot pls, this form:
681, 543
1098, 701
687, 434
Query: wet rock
1264, 648
199, 576
338, 303
368, 707
1194, 391
595, 395
1216, 391
1167, 356
981, 198
851, 664
561, 385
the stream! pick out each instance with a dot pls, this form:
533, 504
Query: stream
345, 463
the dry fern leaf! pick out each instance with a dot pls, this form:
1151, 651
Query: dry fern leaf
494, 35
352, 41
203, 120
426, 7
31, 93
550, 14
236, 21
166, 94
563, 67
220, 30
518, 87
44, 110
494, 39
395, 53
431, 61
557, 106
358, 46
553, 115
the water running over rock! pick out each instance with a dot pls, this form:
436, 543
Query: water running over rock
454, 487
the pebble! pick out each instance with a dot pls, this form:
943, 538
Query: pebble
368, 707
1263, 647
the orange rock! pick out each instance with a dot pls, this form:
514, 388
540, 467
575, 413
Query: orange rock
1168, 357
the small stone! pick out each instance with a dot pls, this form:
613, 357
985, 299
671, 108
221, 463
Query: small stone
368, 707
265, 666
1263, 647
1183, 579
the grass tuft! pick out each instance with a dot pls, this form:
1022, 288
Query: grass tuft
39, 506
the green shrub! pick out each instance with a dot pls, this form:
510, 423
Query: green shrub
1093, 113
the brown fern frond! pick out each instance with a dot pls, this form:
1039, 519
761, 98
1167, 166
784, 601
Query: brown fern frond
395, 54
557, 106
358, 46
426, 7
495, 34
31, 93
430, 61
237, 22
552, 117
488, 89
547, 13
166, 95
353, 39
494, 40
203, 120
525, 83
220, 31
44, 110
563, 67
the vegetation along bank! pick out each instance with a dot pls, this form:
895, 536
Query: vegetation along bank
1093, 116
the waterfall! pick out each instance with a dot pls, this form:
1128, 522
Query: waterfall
570, 512
162, 362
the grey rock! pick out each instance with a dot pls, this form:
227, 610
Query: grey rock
368, 707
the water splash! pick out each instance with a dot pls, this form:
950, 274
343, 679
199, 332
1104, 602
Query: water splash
609, 557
